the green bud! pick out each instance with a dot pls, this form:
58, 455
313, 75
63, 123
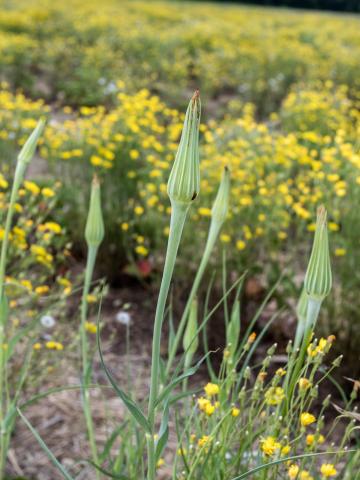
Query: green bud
94, 230
184, 181
221, 204
29, 147
190, 340
318, 279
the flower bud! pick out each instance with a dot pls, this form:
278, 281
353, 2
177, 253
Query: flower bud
318, 279
190, 340
221, 204
94, 230
28, 149
184, 181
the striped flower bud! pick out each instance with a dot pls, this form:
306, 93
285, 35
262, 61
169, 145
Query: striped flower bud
184, 181
94, 230
233, 329
220, 207
318, 279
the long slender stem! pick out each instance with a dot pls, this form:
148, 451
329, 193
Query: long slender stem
178, 216
213, 233
86, 362
3, 317
311, 317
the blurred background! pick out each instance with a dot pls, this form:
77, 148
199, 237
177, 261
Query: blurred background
280, 89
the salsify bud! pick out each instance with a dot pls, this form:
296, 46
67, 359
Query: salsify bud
184, 181
318, 279
190, 340
28, 149
94, 230
220, 207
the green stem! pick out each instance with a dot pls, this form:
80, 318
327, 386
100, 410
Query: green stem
86, 361
3, 319
213, 233
313, 310
178, 216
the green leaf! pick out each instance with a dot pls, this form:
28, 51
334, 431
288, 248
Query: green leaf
110, 442
168, 389
105, 472
46, 449
128, 402
163, 432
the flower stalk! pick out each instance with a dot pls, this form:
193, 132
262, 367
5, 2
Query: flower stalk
218, 216
183, 188
23, 160
94, 234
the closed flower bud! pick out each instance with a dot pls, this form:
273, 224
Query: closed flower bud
94, 230
221, 204
29, 146
318, 279
190, 340
184, 181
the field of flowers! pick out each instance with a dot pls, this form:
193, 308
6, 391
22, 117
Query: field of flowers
279, 131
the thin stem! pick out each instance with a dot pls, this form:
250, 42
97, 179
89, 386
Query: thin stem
178, 216
3, 318
312, 314
213, 233
86, 361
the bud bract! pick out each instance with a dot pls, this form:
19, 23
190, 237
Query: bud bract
28, 149
184, 181
220, 207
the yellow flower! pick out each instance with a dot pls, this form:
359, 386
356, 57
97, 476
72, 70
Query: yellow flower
42, 289
269, 446
224, 238
204, 440
274, 395
240, 245
134, 154
304, 383
141, 250
285, 450
138, 210
235, 412
204, 212
340, 252
293, 471
328, 470
91, 298
32, 187
305, 475
48, 192
124, 227
211, 389
310, 439
307, 419
37, 346
160, 463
